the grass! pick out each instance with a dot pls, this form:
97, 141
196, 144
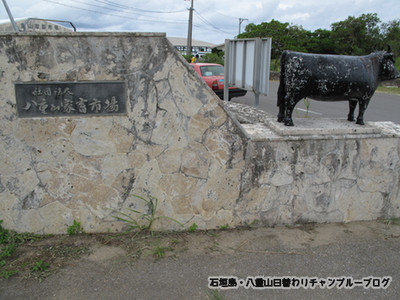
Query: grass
19, 256
39, 256
3, 233
142, 220
214, 295
27, 255
389, 90
193, 227
40, 266
224, 227
75, 228
390, 221
159, 251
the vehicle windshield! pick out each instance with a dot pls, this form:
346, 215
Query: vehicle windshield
212, 71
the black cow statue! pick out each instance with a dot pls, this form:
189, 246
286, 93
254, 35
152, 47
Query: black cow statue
332, 78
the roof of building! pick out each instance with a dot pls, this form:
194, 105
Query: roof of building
177, 41
5, 24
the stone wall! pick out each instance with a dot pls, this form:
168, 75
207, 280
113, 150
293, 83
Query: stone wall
321, 170
176, 142
206, 162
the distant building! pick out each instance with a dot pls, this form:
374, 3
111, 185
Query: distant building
199, 48
35, 25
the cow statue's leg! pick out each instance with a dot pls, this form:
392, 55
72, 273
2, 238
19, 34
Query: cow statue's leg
290, 104
363, 104
281, 114
281, 102
352, 108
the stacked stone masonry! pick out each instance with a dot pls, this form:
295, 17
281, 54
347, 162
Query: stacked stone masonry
206, 162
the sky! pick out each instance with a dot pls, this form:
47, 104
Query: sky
213, 20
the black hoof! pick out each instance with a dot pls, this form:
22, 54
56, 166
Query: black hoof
360, 122
351, 119
289, 123
280, 119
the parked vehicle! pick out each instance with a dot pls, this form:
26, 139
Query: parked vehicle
213, 75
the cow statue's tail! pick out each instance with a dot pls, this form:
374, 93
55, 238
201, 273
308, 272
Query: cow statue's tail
281, 90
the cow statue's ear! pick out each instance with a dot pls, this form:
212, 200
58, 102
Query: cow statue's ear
388, 55
389, 49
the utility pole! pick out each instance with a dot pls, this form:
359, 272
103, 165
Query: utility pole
241, 21
11, 17
189, 37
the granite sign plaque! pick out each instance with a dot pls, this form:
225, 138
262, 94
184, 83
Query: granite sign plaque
58, 99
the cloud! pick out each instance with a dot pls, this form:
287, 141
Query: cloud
214, 21
284, 6
297, 18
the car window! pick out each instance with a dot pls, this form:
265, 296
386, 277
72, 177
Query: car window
212, 71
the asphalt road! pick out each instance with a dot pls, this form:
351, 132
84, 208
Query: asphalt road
382, 107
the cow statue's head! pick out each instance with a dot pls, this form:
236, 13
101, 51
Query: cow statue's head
388, 70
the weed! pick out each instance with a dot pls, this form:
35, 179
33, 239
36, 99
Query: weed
307, 103
388, 90
391, 221
40, 266
193, 227
22, 238
11, 264
224, 227
255, 223
214, 295
5, 252
144, 220
7, 273
75, 228
3, 234
159, 251
40, 270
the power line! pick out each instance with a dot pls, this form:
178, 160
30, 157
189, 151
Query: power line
112, 3
205, 21
228, 27
127, 10
115, 15
116, 10
231, 17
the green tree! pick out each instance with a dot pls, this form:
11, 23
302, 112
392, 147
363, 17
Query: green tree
216, 57
276, 30
353, 36
284, 36
391, 33
357, 36
320, 41
298, 38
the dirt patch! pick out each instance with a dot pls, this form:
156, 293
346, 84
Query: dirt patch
44, 256
106, 252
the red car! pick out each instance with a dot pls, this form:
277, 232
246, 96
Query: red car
213, 75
